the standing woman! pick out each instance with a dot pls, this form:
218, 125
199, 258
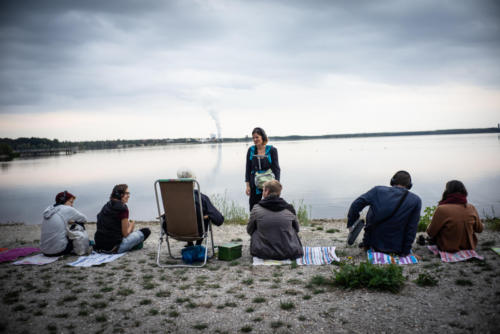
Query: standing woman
260, 158
455, 222
115, 232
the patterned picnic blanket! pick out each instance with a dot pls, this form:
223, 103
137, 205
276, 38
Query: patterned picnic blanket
14, 253
462, 255
38, 259
382, 258
317, 256
312, 256
95, 259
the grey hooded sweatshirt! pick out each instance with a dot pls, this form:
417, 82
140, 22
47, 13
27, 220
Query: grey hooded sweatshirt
274, 228
55, 220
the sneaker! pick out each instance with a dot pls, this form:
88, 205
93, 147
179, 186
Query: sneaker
355, 230
146, 232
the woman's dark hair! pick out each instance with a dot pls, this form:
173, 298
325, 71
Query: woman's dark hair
454, 186
118, 191
262, 133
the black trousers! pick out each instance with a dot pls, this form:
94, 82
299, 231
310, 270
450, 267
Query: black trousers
254, 198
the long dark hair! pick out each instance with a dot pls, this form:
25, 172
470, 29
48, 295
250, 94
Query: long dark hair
262, 133
118, 191
454, 186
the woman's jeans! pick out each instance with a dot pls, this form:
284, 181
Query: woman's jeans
132, 240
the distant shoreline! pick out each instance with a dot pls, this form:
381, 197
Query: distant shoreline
393, 134
27, 147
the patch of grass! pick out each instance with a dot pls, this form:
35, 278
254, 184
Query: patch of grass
97, 295
319, 228
249, 310
83, 313
101, 318
425, 220
11, 297
426, 279
258, 300
287, 306
19, 307
230, 304
320, 280
492, 221
107, 289
145, 302
173, 314
257, 319
294, 281
51, 327
246, 329
294, 265
153, 311
303, 211
148, 286
463, 282
332, 230
248, 281
431, 265
99, 305
62, 315
233, 212
291, 292
163, 293
306, 297
125, 292
191, 305
277, 324
200, 326
490, 243
302, 318
366, 275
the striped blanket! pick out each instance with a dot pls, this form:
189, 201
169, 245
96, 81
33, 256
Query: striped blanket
462, 255
382, 258
95, 259
317, 256
312, 256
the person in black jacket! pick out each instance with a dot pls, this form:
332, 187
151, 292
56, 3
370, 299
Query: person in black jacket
210, 212
115, 232
260, 158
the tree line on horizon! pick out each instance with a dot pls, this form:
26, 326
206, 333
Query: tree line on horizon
9, 147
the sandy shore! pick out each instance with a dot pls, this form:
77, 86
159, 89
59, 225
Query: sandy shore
132, 295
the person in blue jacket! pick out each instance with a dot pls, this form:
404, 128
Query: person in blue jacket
388, 231
260, 158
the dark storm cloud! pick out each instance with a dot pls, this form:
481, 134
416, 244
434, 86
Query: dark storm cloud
75, 50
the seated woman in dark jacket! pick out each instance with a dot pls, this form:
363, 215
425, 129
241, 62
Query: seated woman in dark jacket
455, 222
274, 227
115, 232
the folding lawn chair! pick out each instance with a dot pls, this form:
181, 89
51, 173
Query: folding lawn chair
178, 199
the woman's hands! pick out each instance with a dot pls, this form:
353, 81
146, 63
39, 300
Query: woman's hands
247, 191
127, 227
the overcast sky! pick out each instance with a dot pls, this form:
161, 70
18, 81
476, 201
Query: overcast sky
77, 70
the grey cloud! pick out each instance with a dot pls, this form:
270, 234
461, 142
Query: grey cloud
63, 48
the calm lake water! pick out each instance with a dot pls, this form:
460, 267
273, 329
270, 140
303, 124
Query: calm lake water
326, 175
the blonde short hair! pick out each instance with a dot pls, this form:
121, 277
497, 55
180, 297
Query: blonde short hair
185, 173
273, 187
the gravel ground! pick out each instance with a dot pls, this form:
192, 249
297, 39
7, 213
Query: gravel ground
132, 294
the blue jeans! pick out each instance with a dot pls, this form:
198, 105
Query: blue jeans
132, 240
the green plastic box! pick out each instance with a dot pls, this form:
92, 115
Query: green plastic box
229, 252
